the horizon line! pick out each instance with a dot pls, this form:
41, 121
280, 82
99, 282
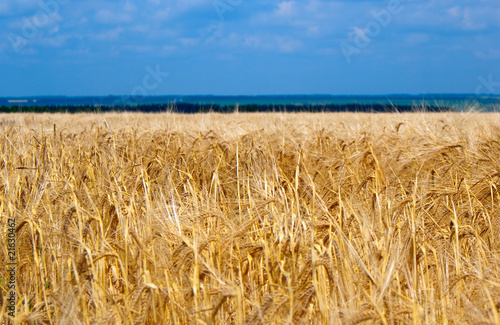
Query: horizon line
260, 95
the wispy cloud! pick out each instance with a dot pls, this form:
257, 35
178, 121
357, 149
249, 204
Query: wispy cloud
417, 38
110, 17
291, 34
288, 45
109, 35
4, 8
490, 54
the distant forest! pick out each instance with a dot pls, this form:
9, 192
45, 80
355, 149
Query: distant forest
203, 108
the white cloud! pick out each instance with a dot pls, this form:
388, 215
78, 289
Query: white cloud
54, 30
140, 49
109, 17
76, 52
284, 13
472, 20
356, 31
284, 44
169, 49
25, 3
162, 35
451, 14
39, 23
313, 30
7, 6
140, 28
29, 51
122, 15
252, 41
56, 41
288, 45
417, 38
488, 55
190, 4
164, 14
4, 8
129, 7
454, 11
221, 40
310, 18
110, 35
285, 9
189, 41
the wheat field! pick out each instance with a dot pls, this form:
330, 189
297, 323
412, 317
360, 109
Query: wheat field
338, 218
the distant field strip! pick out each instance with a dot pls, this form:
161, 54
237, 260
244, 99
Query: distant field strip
328, 218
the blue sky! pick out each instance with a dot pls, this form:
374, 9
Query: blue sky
243, 47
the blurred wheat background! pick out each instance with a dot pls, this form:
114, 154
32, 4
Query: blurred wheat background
253, 219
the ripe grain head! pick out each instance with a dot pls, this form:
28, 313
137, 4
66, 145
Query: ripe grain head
253, 218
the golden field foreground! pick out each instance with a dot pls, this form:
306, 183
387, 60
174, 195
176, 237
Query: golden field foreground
252, 219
